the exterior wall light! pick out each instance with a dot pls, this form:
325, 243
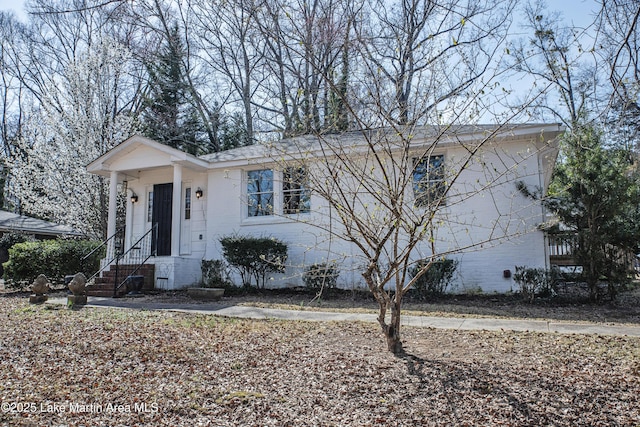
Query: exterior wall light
134, 198
199, 193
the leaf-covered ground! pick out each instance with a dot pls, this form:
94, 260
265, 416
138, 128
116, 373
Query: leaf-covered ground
571, 305
115, 367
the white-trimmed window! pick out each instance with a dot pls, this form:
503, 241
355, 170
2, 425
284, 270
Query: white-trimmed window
259, 192
295, 191
428, 179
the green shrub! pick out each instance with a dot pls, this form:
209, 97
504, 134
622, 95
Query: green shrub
436, 279
254, 257
215, 273
534, 281
321, 276
53, 258
9, 239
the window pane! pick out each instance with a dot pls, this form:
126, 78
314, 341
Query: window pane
150, 206
187, 203
296, 197
260, 192
428, 180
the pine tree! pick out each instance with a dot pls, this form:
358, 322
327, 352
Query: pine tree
338, 119
596, 194
233, 132
170, 116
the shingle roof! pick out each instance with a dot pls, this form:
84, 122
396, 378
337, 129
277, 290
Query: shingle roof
311, 143
10, 221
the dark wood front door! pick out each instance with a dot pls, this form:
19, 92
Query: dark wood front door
161, 215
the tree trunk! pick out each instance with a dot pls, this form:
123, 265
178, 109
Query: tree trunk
592, 275
392, 331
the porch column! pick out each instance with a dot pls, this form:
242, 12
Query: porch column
176, 210
113, 206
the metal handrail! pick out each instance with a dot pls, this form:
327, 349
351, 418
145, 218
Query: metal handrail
115, 235
140, 244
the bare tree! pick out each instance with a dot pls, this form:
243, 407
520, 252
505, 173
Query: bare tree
619, 41
618, 22
228, 39
387, 190
395, 197
321, 29
10, 85
11, 95
308, 62
421, 53
560, 57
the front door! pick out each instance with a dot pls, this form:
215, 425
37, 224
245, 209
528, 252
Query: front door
161, 215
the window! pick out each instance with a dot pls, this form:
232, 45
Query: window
150, 206
428, 179
260, 192
295, 191
187, 203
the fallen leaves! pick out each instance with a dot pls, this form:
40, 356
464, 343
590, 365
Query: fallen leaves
128, 367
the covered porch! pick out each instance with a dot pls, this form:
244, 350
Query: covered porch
162, 191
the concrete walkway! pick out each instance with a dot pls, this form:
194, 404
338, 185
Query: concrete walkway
458, 323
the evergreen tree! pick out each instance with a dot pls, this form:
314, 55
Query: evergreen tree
596, 193
170, 115
233, 132
338, 120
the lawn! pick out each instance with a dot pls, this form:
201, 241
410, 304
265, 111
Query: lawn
117, 367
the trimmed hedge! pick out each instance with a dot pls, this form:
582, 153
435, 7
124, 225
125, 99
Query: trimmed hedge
321, 276
534, 281
436, 280
254, 257
215, 274
53, 258
9, 239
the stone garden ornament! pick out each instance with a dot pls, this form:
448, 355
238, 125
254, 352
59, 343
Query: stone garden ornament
39, 287
77, 286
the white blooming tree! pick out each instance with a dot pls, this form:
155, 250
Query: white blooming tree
80, 116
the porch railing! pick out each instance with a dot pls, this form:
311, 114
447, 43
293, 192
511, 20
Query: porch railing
114, 245
136, 255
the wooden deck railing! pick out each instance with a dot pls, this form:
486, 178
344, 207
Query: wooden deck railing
561, 246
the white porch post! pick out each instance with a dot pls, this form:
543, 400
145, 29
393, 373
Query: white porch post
111, 218
176, 210
128, 223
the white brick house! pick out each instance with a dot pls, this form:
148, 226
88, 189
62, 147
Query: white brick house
197, 200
